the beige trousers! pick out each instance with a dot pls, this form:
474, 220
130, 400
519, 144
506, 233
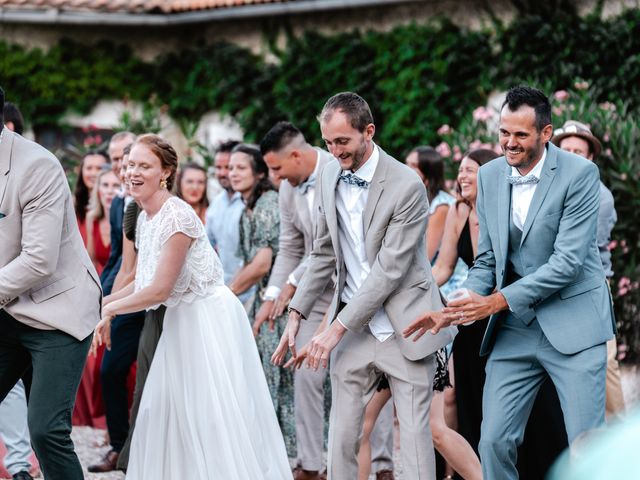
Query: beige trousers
357, 363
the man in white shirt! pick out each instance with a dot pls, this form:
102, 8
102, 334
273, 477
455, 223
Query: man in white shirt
538, 276
371, 219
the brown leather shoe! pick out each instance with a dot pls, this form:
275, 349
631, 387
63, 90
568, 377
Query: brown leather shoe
300, 474
108, 464
385, 475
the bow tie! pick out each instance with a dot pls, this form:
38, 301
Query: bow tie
304, 187
353, 179
520, 180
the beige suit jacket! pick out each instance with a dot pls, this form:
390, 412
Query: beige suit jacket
47, 280
395, 218
297, 227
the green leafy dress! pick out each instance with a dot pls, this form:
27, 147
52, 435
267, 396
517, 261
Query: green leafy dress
260, 228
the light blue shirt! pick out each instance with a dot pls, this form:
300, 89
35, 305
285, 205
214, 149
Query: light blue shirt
223, 230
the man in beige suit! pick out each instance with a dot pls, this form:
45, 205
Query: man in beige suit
371, 219
49, 297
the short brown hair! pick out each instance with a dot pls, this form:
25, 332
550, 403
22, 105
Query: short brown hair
352, 105
163, 151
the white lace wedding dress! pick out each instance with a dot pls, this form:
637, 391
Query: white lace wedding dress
205, 412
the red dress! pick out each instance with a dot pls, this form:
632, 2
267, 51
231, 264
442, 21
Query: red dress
89, 406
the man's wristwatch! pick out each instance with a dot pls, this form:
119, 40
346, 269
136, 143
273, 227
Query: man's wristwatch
289, 310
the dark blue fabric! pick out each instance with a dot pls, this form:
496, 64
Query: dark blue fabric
112, 267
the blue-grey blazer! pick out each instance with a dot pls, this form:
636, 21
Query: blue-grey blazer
564, 286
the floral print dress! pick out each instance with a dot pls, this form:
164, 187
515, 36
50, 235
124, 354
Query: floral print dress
260, 228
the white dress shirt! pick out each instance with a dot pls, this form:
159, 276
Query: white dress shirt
521, 195
350, 203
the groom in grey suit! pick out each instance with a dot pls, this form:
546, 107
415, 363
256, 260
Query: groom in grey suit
552, 313
300, 165
49, 297
370, 226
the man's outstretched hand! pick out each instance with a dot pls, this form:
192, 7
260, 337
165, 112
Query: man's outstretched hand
428, 321
288, 339
322, 344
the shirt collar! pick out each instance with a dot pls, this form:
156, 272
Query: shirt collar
537, 170
366, 171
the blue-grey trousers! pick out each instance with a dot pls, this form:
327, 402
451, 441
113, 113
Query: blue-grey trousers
519, 362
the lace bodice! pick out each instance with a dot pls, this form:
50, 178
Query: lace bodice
202, 270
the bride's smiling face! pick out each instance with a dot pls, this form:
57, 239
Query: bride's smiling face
145, 173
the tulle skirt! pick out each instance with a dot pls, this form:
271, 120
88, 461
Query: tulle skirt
206, 412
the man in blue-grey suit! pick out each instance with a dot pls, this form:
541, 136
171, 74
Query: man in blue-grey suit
539, 278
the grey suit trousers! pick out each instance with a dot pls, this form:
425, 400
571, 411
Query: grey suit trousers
520, 361
356, 365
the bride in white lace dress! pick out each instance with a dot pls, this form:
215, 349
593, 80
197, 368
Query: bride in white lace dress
205, 411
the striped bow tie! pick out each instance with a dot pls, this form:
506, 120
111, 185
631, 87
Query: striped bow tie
520, 180
304, 187
353, 179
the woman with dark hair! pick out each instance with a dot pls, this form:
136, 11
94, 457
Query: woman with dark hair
259, 235
205, 411
191, 186
88, 171
429, 166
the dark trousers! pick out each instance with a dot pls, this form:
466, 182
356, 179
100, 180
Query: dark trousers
57, 360
149, 338
116, 364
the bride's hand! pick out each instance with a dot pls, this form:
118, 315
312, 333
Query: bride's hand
102, 333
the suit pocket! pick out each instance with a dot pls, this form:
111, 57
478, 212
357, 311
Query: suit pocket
580, 287
51, 290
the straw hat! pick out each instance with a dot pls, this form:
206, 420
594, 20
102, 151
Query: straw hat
572, 128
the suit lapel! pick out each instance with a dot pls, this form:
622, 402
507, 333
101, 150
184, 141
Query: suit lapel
546, 179
504, 209
5, 162
375, 190
306, 221
331, 213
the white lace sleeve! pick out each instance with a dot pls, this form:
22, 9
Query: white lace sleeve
180, 218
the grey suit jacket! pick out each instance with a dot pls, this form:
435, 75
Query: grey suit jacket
297, 228
565, 286
400, 279
47, 280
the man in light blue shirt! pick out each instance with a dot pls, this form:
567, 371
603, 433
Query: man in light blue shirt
223, 218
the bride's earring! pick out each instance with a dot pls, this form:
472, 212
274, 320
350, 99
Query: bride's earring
163, 183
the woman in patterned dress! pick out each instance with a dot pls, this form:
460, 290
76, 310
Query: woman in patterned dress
259, 233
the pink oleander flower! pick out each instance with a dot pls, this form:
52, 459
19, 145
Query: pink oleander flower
608, 106
457, 156
97, 139
444, 130
606, 137
557, 111
624, 286
613, 244
482, 114
475, 144
561, 95
581, 85
443, 149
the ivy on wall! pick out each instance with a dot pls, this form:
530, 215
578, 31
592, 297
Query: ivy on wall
416, 78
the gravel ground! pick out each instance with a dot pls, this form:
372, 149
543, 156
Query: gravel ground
90, 443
